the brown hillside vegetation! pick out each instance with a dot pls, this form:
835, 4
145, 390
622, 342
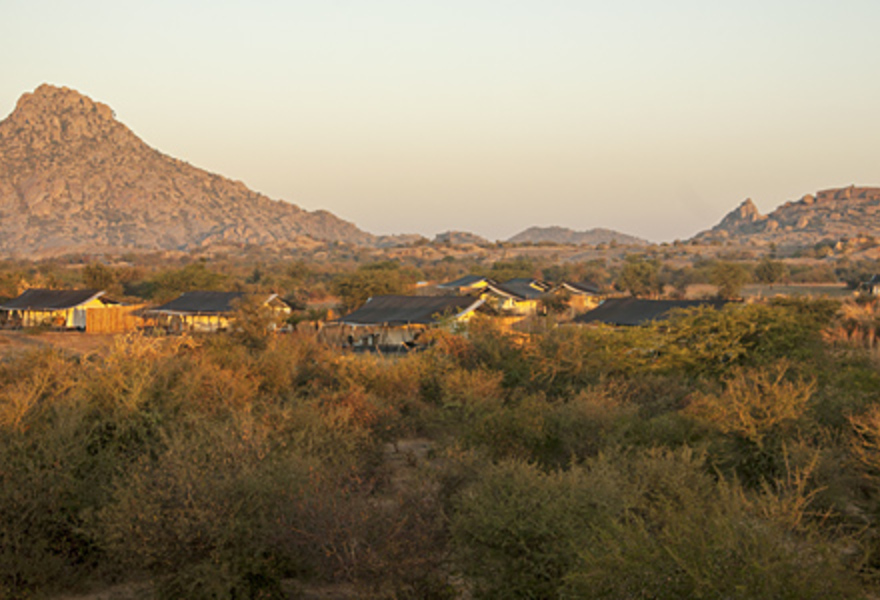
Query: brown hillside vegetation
714, 455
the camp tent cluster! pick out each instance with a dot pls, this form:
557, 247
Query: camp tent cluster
523, 296
399, 323
89, 310
388, 323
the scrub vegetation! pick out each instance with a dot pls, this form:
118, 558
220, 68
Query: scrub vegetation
721, 454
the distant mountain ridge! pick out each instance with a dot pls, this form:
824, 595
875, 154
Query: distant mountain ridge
833, 214
563, 235
460, 238
73, 178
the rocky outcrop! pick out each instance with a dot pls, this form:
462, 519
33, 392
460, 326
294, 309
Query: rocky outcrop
73, 178
744, 218
834, 214
563, 235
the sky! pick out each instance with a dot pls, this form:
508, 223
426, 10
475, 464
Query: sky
490, 116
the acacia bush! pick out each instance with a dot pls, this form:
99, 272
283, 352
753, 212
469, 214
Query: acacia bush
718, 454
637, 525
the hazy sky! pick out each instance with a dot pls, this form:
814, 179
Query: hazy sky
650, 117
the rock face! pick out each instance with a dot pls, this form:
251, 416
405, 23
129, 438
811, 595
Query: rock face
834, 214
743, 218
563, 235
73, 178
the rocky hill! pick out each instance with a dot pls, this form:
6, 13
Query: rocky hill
829, 215
460, 238
73, 178
563, 235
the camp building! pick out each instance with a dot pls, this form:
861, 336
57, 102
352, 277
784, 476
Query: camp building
520, 296
581, 295
65, 309
466, 284
638, 311
397, 322
208, 311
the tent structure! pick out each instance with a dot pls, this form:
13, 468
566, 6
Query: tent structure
638, 311
396, 322
208, 310
57, 308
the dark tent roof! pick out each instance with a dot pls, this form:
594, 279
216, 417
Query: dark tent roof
465, 281
636, 311
522, 288
40, 299
201, 302
403, 310
582, 287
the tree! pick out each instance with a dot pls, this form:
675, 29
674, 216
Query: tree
512, 269
169, 284
254, 323
640, 276
771, 271
370, 280
729, 277
98, 276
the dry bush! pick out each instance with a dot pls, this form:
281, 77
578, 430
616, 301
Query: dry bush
641, 525
31, 385
865, 442
755, 403
202, 516
857, 323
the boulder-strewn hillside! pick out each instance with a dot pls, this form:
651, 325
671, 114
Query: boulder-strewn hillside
563, 235
843, 213
73, 178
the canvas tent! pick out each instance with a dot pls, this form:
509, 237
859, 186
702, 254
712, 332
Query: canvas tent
208, 310
639, 311
468, 283
520, 296
580, 296
57, 308
397, 321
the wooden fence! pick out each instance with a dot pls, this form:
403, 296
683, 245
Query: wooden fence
115, 319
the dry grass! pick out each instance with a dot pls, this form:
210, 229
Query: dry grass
12, 342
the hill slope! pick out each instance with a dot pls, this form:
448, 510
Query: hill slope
834, 214
73, 178
563, 235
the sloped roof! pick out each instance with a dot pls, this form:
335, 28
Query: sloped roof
403, 310
638, 311
41, 299
204, 302
581, 287
522, 288
466, 281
